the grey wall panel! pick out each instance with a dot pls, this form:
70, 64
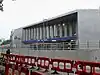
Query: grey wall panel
88, 25
67, 54
17, 37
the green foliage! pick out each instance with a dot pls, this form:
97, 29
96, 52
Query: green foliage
6, 42
0, 40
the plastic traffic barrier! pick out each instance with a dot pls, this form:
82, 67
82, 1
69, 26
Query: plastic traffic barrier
30, 60
6, 69
22, 64
60, 65
96, 67
12, 58
19, 59
43, 62
10, 69
89, 68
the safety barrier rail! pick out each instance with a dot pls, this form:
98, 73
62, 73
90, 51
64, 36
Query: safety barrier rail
43, 62
62, 63
24, 63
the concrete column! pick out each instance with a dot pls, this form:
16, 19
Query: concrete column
29, 33
60, 30
40, 32
76, 29
70, 30
51, 32
48, 31
65, 30
37, 33
55, 30
44, 32
25, 34
33, 33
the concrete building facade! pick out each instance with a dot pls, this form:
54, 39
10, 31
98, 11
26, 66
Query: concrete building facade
78, 27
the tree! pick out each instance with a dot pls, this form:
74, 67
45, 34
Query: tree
1, 40
6, 42
1, 5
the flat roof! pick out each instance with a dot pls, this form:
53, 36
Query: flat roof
65, 14
68, 13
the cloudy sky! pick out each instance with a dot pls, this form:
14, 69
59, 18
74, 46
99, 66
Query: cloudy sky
24, 12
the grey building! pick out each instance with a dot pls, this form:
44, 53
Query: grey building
80, 25
80, 28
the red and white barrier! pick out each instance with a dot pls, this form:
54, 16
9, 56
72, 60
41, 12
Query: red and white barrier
22, 64
43, 62
89, 68
60, 65
30, 60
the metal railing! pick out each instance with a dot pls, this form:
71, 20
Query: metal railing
59, 46
64, 45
